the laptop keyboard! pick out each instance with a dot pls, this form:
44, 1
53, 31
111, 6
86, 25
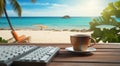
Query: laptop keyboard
26, 55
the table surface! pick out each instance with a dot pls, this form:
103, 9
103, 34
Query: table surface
105, 55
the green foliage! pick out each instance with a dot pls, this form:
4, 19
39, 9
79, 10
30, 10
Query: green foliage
113, 9
107, 35
2, 5
103, 21
117, 13
3, 40
15, 5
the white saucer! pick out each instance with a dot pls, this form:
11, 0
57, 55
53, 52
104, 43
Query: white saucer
90, 49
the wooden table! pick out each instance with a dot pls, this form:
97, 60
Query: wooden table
105, 55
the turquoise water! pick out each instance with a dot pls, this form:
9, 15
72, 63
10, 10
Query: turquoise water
51, 22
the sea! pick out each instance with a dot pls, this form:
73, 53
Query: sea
51, 22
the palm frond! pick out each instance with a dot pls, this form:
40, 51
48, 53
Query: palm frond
2, 6
16, 7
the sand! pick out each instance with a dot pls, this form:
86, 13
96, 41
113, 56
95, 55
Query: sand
38, 36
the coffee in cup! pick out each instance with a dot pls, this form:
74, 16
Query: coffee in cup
81, 42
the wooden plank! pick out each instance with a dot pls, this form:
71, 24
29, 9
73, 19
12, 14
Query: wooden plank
96, 57
102, 50
107, 46
64, 45
114, 53
108, 50
81, 64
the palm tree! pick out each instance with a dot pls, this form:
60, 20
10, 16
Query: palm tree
15, 6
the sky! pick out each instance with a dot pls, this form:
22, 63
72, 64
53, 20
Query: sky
60, 7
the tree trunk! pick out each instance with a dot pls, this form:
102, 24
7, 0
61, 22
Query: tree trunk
8, 20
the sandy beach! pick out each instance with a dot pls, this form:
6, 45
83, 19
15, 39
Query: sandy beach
38, 36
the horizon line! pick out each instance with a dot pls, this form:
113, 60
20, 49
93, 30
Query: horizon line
51, 16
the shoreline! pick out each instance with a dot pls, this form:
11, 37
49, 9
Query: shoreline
37, 29
43, 36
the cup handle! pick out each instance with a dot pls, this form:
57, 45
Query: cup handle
93, 41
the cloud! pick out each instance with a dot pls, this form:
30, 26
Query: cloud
11, 13
91, 8
58, 6
58, 10
34, 4
48, 5
40, 13
43, 4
